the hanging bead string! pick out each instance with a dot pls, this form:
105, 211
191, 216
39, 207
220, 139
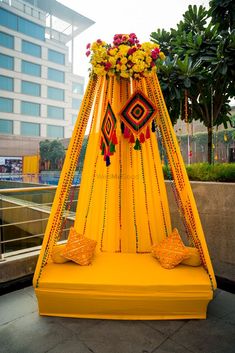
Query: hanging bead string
120, 194
133, 203
95, 116
145, 196
55, 220
163, 217
177, 198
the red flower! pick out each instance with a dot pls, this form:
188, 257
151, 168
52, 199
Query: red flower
88, 53
99, 41
88, 46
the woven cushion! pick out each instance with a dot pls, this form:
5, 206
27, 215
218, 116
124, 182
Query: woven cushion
194, 257
171, 251
79, 248
56, 254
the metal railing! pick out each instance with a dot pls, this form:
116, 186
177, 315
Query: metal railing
23, 217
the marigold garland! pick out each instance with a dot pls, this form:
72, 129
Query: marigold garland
126, 57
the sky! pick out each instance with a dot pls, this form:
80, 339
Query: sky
124, 16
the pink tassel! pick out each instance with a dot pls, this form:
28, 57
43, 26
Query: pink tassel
132, 139
126, 133
142, 138
147, 132
114, 138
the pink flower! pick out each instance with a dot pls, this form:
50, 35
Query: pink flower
107, 66
88, 46
88, 53
131, 51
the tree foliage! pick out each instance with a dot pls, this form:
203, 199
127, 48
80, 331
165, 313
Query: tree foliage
52, 153
200, 65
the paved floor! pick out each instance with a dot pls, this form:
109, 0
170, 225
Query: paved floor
22, 330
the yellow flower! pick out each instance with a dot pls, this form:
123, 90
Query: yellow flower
123, 49
162, 55
123, 60
99, 70
112, 60
123, 67
124, 74
113, 51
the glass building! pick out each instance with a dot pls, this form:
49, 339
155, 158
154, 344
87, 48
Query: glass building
39, 93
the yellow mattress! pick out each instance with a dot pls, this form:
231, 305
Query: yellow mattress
118, 272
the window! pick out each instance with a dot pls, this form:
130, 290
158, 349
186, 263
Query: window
76, 103
6, 83
31, 48
74, 119
31, 29
6, 40
56, 57
6, 62
33, 89
30, 129
77, 88
6, 105
55, 112
6, 126
22, 25
8, 19
28, 108
55, 131
55, 75
30, 68
55, 93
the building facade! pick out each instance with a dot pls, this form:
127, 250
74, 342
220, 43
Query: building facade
39, 93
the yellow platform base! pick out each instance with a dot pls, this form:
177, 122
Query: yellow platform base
124, 286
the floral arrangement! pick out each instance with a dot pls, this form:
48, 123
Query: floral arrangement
126, 57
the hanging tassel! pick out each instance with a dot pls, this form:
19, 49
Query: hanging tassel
153, 126
107, 161
132, 139
137, 145
101, 143
112, 148
103, 148
126, 133
142, 138
114, 138
122, 127
147, 132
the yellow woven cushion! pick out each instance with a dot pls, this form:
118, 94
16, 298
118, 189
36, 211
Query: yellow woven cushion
79, 248
171, 251
194, 257
56, 256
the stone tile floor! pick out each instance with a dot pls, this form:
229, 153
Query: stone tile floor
22, 330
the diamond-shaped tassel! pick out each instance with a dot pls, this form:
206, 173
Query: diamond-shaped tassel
142, 138
114, 138
153, 126
126, 133
132, 139
137, 145
107, 161
147, 132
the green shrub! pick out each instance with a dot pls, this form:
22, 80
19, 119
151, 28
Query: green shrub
223, 172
